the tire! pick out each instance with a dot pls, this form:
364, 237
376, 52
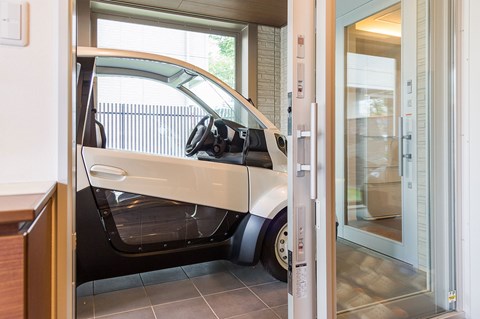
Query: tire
274, 251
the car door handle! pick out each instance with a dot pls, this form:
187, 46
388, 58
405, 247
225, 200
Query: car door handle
108, 172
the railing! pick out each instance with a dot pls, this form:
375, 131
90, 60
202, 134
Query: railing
156, 129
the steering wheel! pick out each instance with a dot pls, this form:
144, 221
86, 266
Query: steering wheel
198, 136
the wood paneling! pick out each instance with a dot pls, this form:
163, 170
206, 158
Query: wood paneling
266, 12
263, 12
165, 4
12, 282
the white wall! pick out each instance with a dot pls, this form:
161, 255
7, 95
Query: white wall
470, 158
29, 100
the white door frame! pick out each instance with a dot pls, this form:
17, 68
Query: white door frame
325, 203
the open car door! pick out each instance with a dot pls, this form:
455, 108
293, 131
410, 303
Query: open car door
149, 195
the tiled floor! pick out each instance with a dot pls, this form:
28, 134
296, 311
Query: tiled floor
214, 290
221, 289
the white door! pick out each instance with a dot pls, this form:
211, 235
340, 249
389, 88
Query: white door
301, 159
311, 217
376, 126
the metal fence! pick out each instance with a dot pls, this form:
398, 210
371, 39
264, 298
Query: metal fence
157, 129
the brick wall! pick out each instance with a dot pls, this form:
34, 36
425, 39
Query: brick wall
270, 79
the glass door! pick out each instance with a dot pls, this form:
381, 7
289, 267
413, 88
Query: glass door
375, 190
393, 146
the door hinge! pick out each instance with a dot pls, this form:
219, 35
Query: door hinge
452, 296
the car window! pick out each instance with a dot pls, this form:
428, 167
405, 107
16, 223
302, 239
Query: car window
221, 102
144, 115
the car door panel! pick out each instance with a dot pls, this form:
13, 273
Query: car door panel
185, 180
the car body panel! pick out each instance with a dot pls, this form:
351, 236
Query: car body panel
268, 192
279, 159
183, 179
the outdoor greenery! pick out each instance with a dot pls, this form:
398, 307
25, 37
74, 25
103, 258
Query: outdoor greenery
222, 58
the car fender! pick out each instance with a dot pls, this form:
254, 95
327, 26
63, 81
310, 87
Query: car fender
268, 192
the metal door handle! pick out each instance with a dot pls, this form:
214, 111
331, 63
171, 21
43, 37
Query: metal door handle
400, 146
401, 138
313, 150
312, 167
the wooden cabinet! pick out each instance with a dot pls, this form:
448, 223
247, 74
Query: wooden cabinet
12, 281
26, 256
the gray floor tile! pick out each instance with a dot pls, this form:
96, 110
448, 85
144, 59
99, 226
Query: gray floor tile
358, 270
273, 294
85, 289
162, 276
252, 276
84, 307
171, 291
144, 313
262, 314
187, 309
120, 301
215, 283
117, 283
227, 304
206, 268
281, 311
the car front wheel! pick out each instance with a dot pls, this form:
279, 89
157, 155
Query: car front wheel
274, 252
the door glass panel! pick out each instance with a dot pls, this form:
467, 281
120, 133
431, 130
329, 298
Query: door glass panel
393, 159
372, 105
139, 223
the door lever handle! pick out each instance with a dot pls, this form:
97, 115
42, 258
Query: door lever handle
313, 150
108, 172
312, 134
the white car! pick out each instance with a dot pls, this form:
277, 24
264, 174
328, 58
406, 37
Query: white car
142, 208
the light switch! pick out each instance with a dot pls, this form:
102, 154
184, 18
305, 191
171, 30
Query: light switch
13, 22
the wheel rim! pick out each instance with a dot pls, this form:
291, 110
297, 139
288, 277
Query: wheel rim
281, 251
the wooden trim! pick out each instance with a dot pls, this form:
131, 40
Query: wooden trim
20, 208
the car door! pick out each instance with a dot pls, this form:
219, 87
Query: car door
149, 195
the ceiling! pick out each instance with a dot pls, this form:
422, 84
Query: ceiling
263, 12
